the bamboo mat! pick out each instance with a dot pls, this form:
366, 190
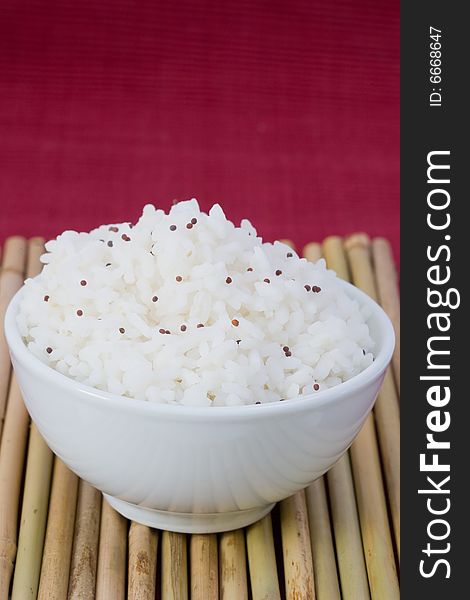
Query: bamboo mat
339, 538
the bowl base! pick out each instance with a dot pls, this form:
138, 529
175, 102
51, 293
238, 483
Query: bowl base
188, 522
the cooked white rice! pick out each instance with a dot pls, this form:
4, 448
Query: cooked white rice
186, 308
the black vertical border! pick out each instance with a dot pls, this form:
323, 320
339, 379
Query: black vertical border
425, 129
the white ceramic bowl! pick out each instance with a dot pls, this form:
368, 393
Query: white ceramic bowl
197, 469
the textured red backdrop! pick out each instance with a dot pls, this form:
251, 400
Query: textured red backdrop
285, 112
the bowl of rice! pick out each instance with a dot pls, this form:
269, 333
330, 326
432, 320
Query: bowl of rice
191, 372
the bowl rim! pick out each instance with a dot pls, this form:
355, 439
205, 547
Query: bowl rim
89, 394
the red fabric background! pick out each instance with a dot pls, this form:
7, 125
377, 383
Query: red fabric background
285, 112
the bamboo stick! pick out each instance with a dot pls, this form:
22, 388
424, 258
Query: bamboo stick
85, 545
174, 566
324, 563
387, 421
11, 279
262, 560
312, 252
55, 568
335, 257
12, 453
347, 532
33, 517
232, 566
357, 248
15, 434
36, 488
376, 536
112, 555
370, 495
289, 243
298, 564
204, 567
386, 411
143, 542
387, 285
